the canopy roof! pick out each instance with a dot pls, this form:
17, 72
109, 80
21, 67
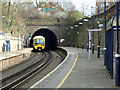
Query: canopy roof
112, 22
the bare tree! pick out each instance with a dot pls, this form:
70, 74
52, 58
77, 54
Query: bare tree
15, 7
84, 7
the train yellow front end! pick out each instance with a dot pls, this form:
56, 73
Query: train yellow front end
39, 43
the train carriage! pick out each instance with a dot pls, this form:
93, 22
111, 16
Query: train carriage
38, 43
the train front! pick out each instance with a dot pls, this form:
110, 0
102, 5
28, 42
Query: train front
38, 43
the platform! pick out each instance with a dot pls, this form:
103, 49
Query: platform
4, 55
77, 72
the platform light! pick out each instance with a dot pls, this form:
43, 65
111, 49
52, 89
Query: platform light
86, 20
98, 19
76, 25
2, 16
89, 16
9, 20
71, 27
98, 22
80, 23
100, 25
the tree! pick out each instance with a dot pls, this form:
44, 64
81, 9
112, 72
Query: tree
74, 16
84, 8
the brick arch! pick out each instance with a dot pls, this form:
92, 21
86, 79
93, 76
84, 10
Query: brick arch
50, 38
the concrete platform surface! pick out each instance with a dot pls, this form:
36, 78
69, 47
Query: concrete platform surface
4, 55
78, 72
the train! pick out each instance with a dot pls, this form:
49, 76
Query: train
38, 43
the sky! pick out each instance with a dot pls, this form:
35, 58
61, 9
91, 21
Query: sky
88, 3
77, 3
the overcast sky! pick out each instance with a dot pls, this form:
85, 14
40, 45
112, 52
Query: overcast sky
88, 3
77, 3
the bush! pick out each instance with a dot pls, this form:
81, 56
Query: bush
3, 47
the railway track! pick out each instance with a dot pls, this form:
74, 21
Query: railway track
18, 79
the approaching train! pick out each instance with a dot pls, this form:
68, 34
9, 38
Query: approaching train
38, 43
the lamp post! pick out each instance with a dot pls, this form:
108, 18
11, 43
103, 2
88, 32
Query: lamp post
85, 20
68, 36
59, 29
83, 36
80, 23
88, 38
26, 32
6, 37
93, 34
77, 26
18, 36
73, 36
93, 31
98, 36
105, 54
22, 35
117, 77
93, 37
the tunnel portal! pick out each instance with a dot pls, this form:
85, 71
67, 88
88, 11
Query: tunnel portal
50, 38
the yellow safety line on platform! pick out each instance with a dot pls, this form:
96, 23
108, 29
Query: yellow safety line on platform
61, 83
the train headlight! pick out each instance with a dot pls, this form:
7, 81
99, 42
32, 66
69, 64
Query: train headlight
35, 47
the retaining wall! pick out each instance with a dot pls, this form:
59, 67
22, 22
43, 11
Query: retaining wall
13, 60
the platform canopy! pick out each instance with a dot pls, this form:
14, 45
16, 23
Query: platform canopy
112, 22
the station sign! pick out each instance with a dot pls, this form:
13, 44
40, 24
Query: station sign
100, 25
90, 32
93, 30
49, 9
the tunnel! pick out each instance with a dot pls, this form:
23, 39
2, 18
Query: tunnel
50, 38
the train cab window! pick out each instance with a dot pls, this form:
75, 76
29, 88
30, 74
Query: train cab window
36, 41
39, 41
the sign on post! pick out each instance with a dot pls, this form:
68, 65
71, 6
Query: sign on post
100, 25
90, 31
29, 34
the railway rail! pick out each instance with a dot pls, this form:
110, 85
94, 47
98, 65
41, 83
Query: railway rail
18, 79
